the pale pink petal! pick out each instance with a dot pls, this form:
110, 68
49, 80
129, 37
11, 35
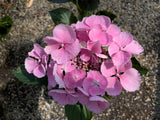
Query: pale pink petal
98, 35
50, 48
123, 39
130, 80
85, 55
113, 30
123, 68
113, 87
94, 46
98, 20
64, 33
74, 78
113, 48
51, 40
102, 56
58, 78
62, 97
134, 47
108, 68
51, 78
30, 64
121, 58
39, 71
97, 104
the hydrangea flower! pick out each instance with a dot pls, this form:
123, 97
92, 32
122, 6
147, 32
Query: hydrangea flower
36, 63
89, 59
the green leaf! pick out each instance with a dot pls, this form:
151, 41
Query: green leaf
107, 13
88, 5
137, 66
5, 26
59, 1
77, 112
62, 16
22, 75
106, 96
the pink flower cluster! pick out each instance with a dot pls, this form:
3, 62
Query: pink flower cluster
87, 60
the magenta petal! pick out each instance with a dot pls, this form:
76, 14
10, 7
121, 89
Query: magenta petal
113, 30
123, 39
121, 58
134, 47
130, 80
97, 104
85, 55
62, 97
30, 64
98, 20
82, 35
108, 68
64, 33
102, 56
39, 71
94, 46
113, 48
98, 35
113, 87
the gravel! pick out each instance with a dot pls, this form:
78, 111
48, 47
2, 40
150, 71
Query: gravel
19, 101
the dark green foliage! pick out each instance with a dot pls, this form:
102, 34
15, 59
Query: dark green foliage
77, 112
62, 16
137, 66
59, 1
88, 5
22, 75
107, 13
5, 26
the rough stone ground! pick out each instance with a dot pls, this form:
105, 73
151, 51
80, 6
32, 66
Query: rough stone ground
24, 102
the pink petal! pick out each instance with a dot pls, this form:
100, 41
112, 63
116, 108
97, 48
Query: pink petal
98, 20
97, 104
64, 33
130, 80
85, 55
123, 39
82, 25
83, 97
51, 78
65, 54
98, 35
94, 46
113, 30
123, 68
108, 68
134, 47
113, 87
113, 48
30, 64
94, 83
62, 97
121, 58
74, 78
58, 78
39, 71
37, 52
